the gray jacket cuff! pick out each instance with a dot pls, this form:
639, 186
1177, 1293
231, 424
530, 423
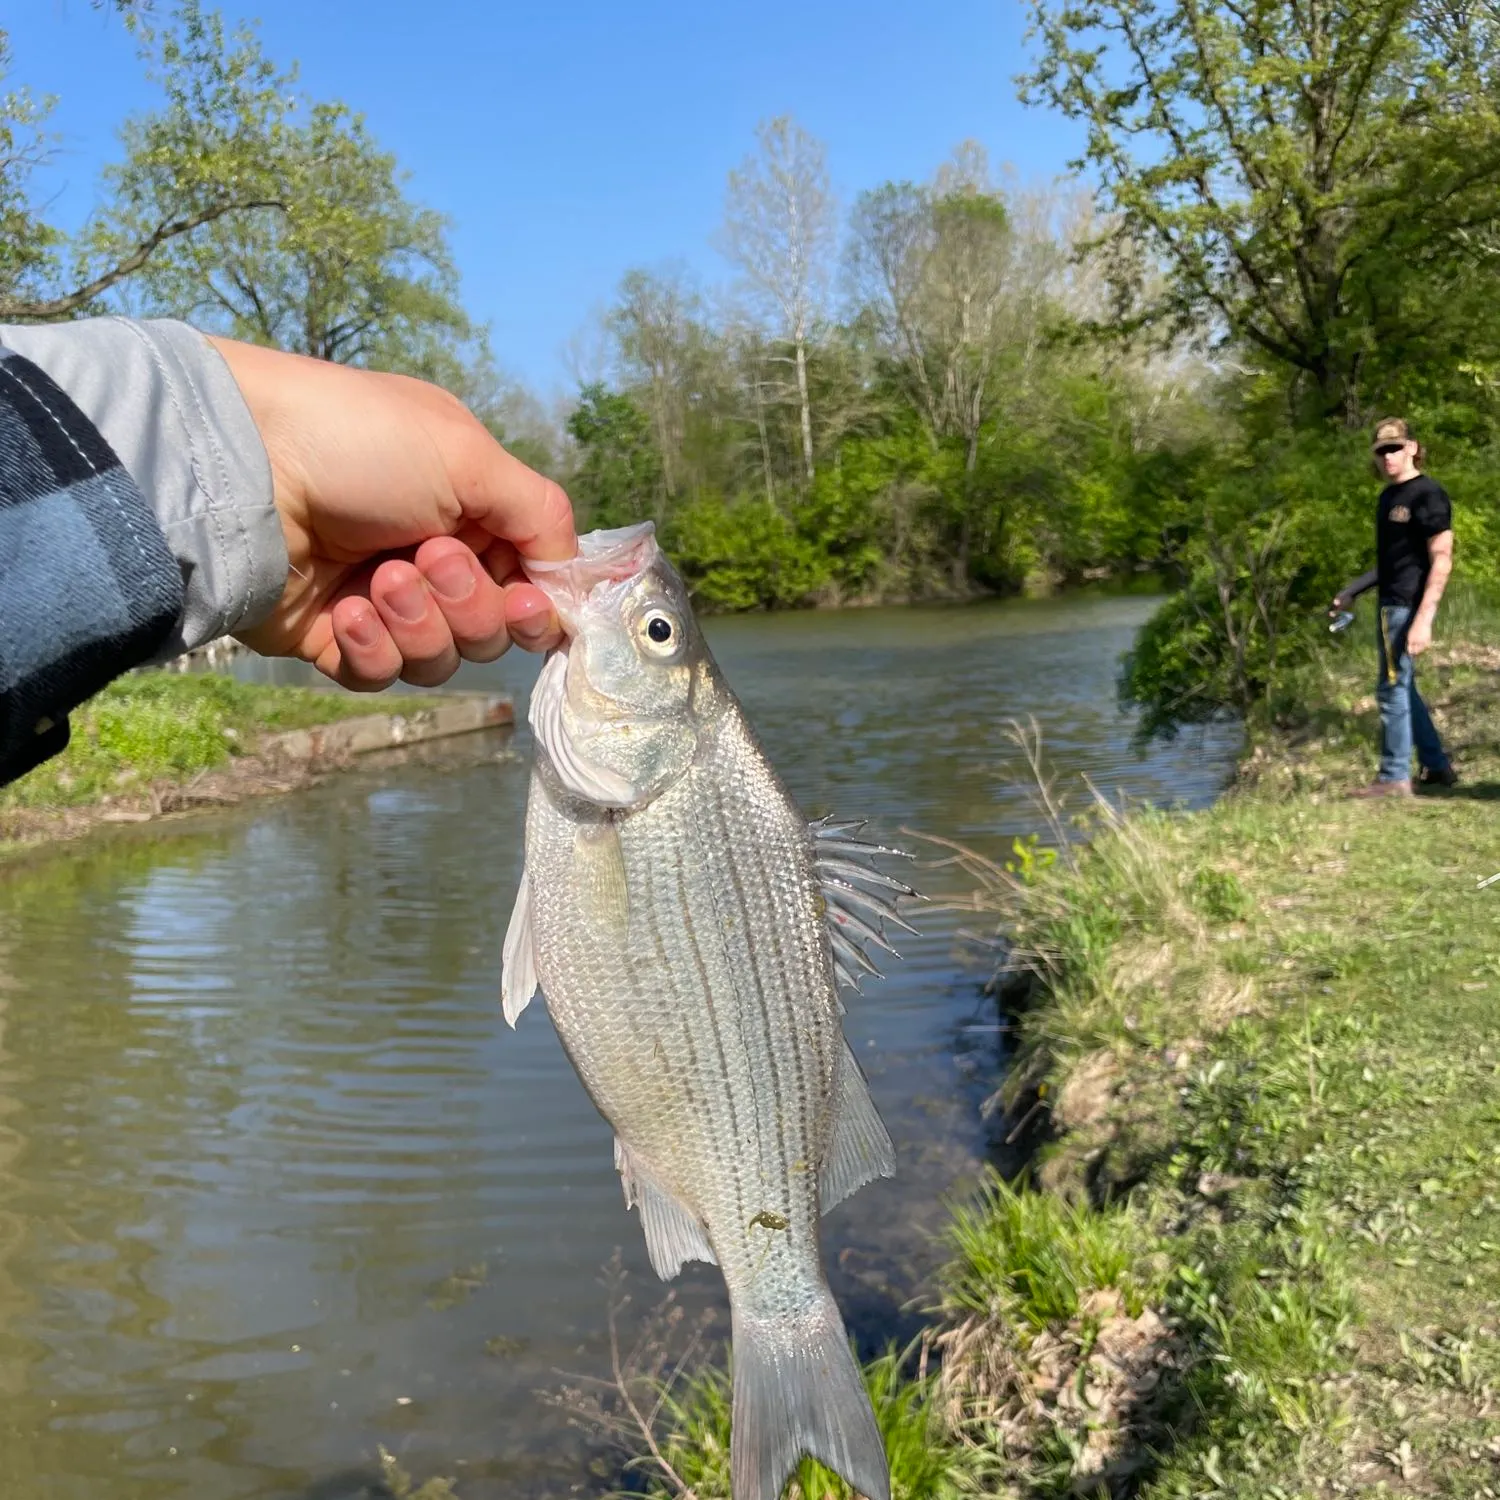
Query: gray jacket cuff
164, 400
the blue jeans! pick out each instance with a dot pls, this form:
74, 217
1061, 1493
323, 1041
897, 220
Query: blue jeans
1404, 719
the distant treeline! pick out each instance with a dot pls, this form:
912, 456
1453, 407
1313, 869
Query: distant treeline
1283, 225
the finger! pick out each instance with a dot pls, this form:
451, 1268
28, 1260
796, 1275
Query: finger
407, 609
362, 656
470, 600
531, 619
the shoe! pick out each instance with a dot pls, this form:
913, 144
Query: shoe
1446, 777
1384, 789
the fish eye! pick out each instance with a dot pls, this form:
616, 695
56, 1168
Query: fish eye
662, 632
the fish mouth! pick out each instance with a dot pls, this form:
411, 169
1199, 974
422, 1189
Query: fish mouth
604, 559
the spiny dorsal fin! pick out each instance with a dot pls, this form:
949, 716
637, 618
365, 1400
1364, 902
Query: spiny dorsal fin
859, 897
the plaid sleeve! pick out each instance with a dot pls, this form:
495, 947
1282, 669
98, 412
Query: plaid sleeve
88, 586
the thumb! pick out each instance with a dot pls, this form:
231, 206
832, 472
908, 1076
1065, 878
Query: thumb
509, 500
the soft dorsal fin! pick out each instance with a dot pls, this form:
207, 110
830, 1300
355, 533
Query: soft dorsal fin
861, 1148
852, 883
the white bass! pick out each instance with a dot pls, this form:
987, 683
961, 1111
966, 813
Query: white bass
690, 929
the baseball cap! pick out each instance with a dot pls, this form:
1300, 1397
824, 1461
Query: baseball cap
1388, 432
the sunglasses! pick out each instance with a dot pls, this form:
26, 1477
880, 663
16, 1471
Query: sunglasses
1386, 448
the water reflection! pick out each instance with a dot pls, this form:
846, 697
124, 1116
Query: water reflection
275, 1182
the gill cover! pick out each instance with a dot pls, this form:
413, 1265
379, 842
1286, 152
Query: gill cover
612, 706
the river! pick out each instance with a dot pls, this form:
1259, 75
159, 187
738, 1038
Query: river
277, 1184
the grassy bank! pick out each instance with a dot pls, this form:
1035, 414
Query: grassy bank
1256, 1252
162, 741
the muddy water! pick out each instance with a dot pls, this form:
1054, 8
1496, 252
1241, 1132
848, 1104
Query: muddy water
276, 1183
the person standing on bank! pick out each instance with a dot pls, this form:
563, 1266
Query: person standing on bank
1414, 556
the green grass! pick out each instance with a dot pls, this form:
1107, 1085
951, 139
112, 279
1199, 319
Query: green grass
1034, 1258
150, 726
1286, 1011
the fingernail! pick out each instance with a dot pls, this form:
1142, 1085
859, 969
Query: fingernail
408, 600
532, 632
364, 629
452, 577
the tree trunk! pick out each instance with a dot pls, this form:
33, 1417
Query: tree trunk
807, 442
765, 445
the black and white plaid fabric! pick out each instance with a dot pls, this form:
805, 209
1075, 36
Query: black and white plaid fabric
88, 586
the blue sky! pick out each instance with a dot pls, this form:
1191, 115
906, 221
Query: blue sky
569, 142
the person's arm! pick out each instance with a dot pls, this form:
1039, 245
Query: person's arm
159, 489
1354, 588
88, 585
1440, 565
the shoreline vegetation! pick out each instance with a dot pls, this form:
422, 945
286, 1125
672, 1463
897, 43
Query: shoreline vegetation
158, 743
1254, 1250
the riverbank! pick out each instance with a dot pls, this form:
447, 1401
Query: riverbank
157, 744
1256, 1249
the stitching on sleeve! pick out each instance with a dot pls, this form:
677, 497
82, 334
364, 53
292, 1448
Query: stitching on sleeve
110, 488
221, 616
225, 500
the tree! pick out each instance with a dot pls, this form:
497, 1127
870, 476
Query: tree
659, 330
620, 468
205, 151
345, 268
938, 264
935, 265
779, 228
1291, 167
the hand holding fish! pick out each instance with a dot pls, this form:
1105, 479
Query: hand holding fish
690, 930
405, 523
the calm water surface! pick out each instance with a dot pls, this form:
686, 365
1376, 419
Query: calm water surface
277, 1184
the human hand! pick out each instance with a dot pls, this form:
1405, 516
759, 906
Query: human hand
1418, 635
1339, 605
404, 520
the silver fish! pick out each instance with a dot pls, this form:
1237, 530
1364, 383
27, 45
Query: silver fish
689, 930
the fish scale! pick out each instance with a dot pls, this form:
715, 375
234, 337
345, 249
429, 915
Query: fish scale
675, 909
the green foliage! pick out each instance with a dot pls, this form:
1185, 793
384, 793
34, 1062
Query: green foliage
745, 555
619, 477
1219, 895
1304, 180
1034, 1258
249, 211
204, 154
337, 263
168, 725
27, 244
1029, 858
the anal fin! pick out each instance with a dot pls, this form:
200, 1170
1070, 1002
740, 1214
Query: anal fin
673, 1233
861, 1148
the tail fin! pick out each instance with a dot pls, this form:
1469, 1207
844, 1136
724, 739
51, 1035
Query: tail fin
798, 1389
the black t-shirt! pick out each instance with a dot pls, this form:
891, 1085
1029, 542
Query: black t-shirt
1409, 515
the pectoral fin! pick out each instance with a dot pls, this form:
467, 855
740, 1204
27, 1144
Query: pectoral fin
673, 1233
599, 879
518, 976
861, 1148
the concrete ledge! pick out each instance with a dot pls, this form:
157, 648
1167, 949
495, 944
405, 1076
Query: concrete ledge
386, 731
